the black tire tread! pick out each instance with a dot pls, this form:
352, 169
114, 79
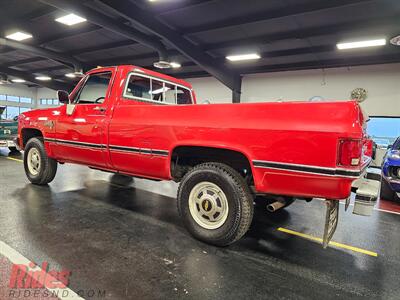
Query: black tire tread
242, 188
49, 164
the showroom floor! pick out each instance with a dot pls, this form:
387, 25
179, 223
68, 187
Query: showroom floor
129, 240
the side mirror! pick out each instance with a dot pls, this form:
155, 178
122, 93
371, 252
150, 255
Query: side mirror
63, 97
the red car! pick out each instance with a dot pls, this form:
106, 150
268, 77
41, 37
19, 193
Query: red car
136, 122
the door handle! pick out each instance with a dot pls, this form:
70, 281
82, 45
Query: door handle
100, 108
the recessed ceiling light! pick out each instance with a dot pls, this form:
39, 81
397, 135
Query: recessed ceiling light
395, 41
70, 75
71, 19
18, 80
19, 36
361, 44
43, 78
175, 65
240, 57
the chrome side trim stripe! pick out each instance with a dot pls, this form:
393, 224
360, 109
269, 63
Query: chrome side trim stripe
139, 150
114, 148
308, 169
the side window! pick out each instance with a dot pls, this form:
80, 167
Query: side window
138, 87
183, 96
170, 93
95, 89
157, 89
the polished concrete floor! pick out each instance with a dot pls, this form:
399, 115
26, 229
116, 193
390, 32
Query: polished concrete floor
128, 242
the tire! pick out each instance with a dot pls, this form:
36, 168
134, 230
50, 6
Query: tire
45, 170
225, 190
386, 192
13, 149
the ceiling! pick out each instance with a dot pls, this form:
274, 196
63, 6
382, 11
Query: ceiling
288, 34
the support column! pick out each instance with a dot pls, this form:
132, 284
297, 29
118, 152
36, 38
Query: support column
237, 91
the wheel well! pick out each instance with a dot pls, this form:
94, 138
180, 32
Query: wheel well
28, 133
186, 157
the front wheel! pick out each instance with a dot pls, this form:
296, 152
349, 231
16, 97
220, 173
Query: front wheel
215, 204
39, 168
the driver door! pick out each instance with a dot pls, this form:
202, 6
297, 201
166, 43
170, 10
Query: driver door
81, 126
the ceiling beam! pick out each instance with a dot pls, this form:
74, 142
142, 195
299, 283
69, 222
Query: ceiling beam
109, 23
287, 11
348, 27
23, 61
144, 19
30, 78
42, 52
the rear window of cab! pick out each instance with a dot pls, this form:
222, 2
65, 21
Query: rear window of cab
146, 88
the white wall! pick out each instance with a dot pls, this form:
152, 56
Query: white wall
381, 81
18, 90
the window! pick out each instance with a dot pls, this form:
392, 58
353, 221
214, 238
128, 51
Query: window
170, 93
3, 97
94, 89
23, 109
383, 130
139, 87
145, 88
183, 96
12, 98
12, 111
157, 90
25, 100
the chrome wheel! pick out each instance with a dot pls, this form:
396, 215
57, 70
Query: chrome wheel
34, 161
208, 205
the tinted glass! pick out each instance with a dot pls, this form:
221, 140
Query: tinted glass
157, 89
138, 87
170, 93
183, 96
94, 90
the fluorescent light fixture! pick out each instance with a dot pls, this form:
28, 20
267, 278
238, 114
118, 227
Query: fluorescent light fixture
43, 78
361, 44
175, 65
18, 80
71, 19
19, 36
240, 57
70, 75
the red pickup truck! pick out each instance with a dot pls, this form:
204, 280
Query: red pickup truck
137, 122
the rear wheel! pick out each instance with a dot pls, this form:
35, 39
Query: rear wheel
386, 192
215, 204
39, 168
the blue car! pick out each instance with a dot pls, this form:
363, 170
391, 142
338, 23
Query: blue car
390, 186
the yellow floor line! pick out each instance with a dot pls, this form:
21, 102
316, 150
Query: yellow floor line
334, 244
16, 159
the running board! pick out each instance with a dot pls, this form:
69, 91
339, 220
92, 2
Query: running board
331, 221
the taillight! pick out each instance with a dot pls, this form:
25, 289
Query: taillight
350, 152
368, 148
